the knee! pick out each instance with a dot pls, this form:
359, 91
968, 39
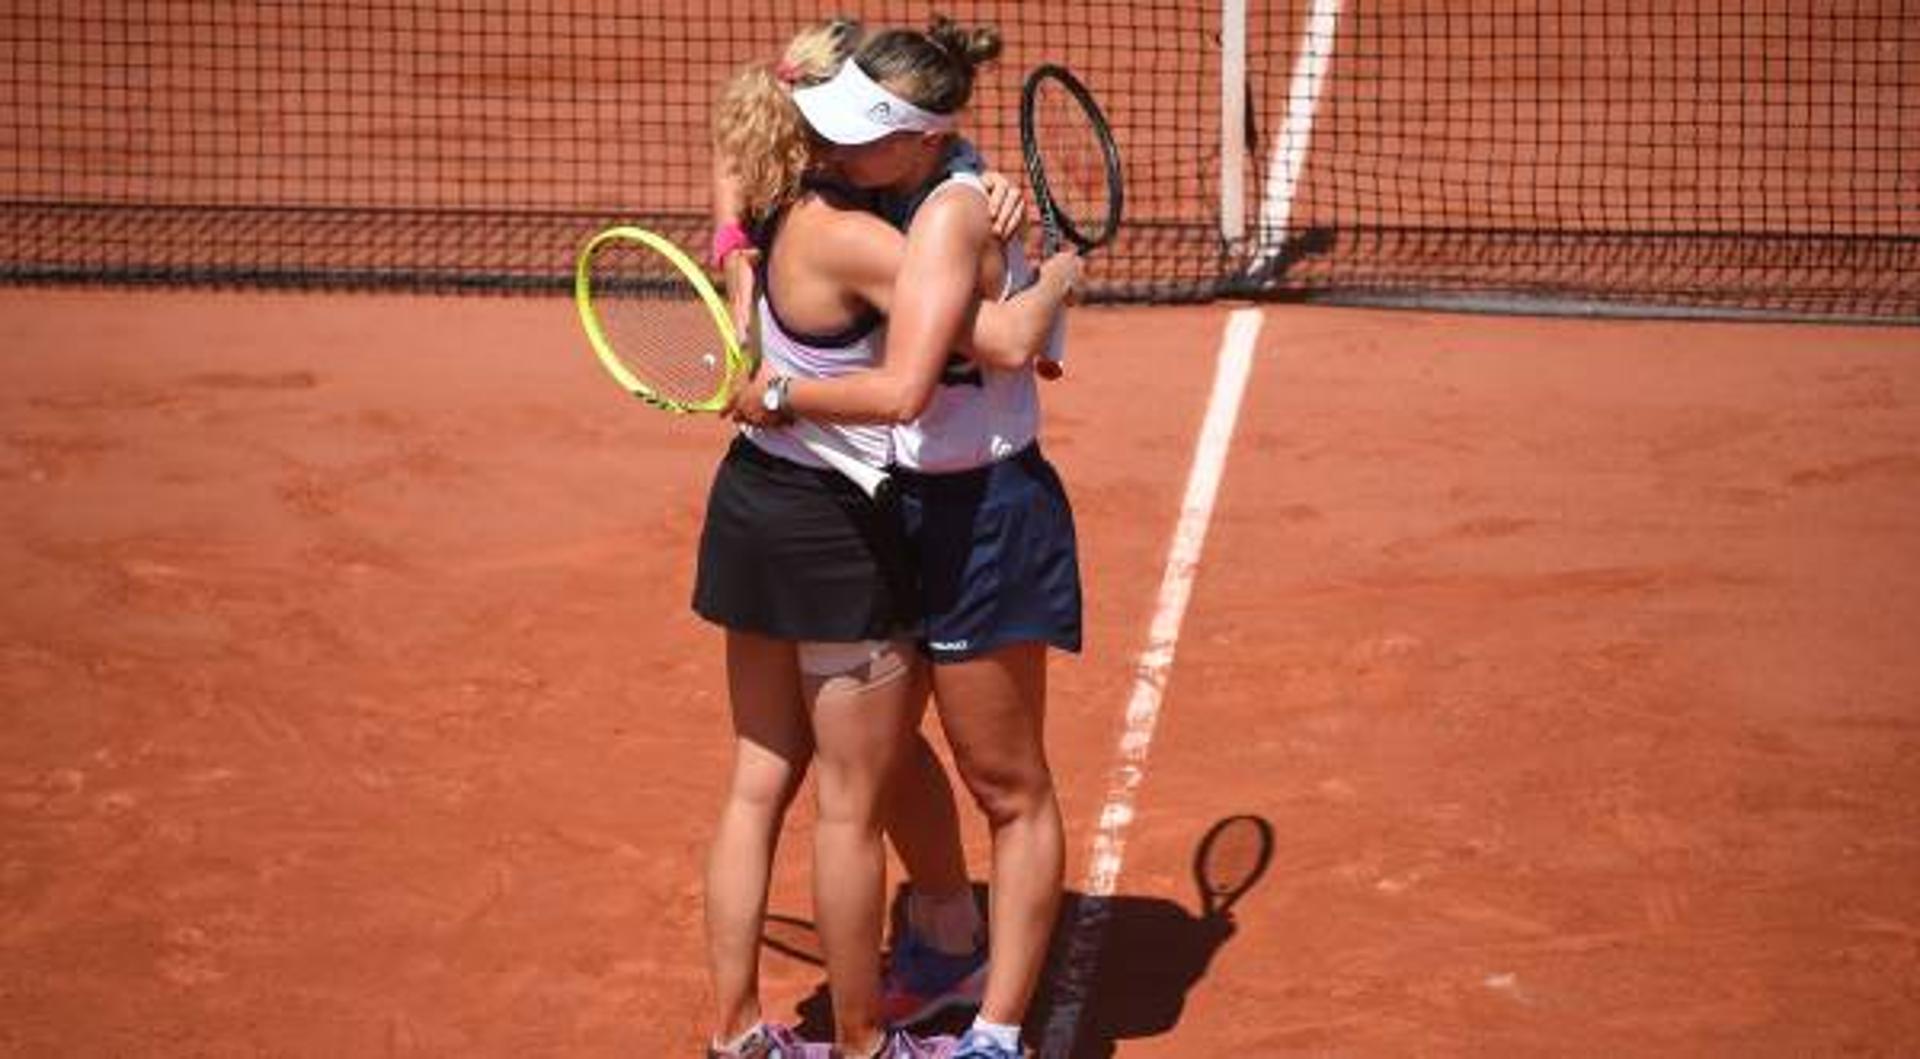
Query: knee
1005, 795
766, 789
849, 798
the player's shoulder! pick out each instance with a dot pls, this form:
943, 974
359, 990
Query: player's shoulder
947, 214
838, 237
963, 192
836, 214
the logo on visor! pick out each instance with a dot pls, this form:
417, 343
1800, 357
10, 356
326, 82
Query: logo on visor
881, 112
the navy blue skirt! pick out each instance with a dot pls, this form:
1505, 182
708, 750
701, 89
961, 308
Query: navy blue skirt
996, 555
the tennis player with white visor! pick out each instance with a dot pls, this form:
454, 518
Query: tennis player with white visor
803, 570
988, 524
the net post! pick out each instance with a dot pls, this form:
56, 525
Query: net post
1233, 111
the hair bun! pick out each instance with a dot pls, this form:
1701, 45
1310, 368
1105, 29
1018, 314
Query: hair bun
974, 47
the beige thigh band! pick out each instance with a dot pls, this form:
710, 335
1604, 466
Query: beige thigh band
871, 660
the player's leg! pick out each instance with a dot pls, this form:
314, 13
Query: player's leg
923, 824
865, 708
993, 709
938, 960
771, 749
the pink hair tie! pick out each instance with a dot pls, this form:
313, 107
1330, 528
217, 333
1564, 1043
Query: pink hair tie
728, 238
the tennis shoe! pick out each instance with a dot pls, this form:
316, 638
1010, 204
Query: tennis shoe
770, 1040
903, 1045
977, 1045
921, 981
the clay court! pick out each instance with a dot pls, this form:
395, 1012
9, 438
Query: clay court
1565, 666
355, 709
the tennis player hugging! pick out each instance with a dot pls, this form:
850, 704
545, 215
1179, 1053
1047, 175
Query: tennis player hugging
858, 232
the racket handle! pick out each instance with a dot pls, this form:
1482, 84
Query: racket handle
1056, 351
869, 478
1024, 276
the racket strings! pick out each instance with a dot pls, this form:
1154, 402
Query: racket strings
1073, 159
661, 329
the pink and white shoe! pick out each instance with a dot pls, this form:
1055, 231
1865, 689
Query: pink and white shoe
903, 1045
770, 1040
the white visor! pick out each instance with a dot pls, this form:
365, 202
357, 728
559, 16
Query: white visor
853, 109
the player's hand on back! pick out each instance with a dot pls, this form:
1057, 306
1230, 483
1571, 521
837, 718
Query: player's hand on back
1007, 205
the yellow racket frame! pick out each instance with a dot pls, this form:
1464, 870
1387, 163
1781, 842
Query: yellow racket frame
740, 363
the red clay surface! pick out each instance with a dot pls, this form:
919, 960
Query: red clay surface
353, 707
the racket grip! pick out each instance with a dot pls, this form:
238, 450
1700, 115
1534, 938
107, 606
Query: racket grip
1056, 350
1049, 227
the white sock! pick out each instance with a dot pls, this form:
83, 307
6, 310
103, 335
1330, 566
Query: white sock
950, 924
1007, 1037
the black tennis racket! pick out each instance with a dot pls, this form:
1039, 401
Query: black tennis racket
1072, 161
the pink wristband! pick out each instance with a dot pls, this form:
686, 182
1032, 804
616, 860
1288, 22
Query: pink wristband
727, 238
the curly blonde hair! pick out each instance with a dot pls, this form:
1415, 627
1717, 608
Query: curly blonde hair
758, 130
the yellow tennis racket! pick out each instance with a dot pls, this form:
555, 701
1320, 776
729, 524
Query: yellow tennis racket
661, 329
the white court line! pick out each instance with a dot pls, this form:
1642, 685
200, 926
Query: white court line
1151, 672
1289, 159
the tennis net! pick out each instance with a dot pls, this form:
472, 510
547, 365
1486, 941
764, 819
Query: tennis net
1718, 156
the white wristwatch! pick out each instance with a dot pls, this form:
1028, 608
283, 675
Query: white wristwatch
774, 399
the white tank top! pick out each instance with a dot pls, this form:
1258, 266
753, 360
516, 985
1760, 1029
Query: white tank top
805, 356
967, 425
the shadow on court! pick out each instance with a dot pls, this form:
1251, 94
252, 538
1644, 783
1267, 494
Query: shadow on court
1137, 959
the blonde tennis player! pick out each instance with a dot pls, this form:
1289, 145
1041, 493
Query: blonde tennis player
810, 578
986, 516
